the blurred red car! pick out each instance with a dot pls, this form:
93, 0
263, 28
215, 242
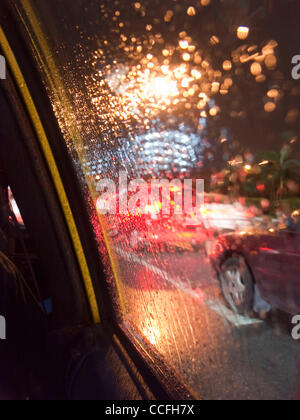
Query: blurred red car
260, 265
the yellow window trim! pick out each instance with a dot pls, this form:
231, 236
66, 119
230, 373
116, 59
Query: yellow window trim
43, 140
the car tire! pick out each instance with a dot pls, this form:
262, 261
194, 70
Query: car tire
237, 285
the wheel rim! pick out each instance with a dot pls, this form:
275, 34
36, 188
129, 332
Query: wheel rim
234, 288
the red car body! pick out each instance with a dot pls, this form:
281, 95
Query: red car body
274, 259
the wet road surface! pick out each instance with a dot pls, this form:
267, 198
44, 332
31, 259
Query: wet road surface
174, 300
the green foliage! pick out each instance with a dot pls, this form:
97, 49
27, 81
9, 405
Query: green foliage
271, 170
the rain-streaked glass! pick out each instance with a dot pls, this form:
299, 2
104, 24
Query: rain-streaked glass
203, 89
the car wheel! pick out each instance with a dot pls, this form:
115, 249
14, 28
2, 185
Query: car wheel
237, 285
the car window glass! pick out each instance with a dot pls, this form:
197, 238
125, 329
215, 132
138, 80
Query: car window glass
179, 91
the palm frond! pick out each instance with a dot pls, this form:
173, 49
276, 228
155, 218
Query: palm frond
291, 164
268, 155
